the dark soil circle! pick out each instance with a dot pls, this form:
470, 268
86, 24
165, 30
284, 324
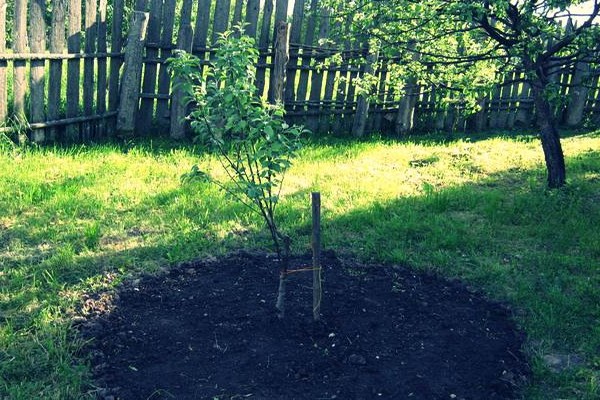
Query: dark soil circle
208, 330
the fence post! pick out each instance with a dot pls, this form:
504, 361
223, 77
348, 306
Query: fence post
362, 105
178, 103
280, 60
132, 71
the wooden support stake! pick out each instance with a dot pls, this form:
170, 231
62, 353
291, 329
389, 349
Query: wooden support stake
132, 71
316, 248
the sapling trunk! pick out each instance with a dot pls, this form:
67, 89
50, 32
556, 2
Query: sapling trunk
284, 259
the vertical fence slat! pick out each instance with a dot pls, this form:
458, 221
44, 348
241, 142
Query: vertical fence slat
316, 84
201, 31
3, 64
263, 46
202, 24
280, 59
102, 80
295, 31
146, 113
221, 19
306, 60
116, 45
57, 46
362, 106
281, 12
19, 66
132, 71
252, 11
164, 81
91, 32
237, 12
579, 94
184, 42
73, 66
37, 44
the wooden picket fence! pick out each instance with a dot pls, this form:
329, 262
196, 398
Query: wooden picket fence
79, 82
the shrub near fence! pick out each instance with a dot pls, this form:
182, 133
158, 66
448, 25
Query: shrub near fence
70, 84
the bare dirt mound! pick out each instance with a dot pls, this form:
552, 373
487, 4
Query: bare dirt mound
208, 330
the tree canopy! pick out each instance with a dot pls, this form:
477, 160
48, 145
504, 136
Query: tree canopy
464, 46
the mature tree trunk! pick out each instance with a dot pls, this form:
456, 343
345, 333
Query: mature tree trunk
553, 153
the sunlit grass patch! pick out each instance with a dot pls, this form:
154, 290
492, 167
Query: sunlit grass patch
81, 219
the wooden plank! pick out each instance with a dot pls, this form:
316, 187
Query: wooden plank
142, 5
37, 44
263, 45
116, 45
221, 19
252, 11
362, 106
280, 59
308, 41
73, 67
512, 102
178, 103
19, 67
202, 24
132, 71
146, 114
237, 12
578, 94
3, 64
91, 35
281, 13
295, 31
316, 92
164, 80
57, 45
102, 72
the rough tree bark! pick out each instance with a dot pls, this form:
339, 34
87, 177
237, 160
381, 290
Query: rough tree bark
553, 153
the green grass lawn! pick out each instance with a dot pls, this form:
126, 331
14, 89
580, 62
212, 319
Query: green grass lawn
82, 219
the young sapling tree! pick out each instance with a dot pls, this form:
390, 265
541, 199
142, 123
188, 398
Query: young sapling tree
253, 143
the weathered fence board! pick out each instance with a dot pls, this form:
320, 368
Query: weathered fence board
102, 82
37, 44
57, 45
295, 31
146, 114
130, 86
221, 18
263, 45
252, 12
73, 66
184, 42
116, 45
319, 93
19, 66
164, 81
3, 64
91, 34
